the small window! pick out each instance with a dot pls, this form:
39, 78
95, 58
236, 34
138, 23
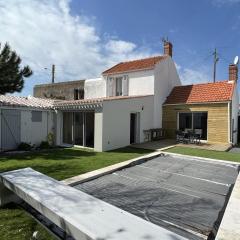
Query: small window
36, 116
119, 86
78, 94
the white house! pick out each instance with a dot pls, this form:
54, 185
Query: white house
120, 105
115, 111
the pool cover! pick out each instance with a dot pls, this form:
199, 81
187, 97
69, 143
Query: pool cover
182, 194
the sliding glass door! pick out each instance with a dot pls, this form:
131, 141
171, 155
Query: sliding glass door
196, 121
89, 129
68, 127
78, 128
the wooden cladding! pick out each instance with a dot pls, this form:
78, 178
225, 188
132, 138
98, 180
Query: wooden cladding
217, 122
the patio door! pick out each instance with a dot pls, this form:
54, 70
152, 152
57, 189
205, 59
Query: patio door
78, 128
134, 127
68, 127
193, 121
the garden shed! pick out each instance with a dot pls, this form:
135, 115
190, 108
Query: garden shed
24, 119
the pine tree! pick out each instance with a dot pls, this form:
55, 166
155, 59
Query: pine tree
11, 73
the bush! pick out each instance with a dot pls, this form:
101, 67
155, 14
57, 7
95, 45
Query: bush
23, 146
50, 139
44, 145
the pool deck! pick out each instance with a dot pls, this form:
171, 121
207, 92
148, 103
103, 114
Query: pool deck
169, 143
182, 194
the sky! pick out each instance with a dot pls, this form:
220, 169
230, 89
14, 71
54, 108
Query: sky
85, 37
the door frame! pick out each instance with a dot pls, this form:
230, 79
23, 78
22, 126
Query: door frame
137, 127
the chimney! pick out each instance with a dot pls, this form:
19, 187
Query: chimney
167, 48
233, 72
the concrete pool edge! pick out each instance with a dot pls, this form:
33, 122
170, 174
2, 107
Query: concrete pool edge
230, 224
112, 168
109, 169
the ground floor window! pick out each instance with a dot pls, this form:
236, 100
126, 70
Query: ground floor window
78, 128
196, 121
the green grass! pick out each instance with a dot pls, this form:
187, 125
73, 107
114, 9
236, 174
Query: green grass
60, 164
228, 156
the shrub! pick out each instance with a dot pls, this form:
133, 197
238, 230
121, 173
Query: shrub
44, 145
23, 146
50, 139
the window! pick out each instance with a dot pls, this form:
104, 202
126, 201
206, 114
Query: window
195, 120
78, 94
119, 86
36, 116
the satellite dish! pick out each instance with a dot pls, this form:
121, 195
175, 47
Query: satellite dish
236, 60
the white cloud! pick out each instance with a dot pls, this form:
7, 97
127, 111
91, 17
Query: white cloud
44, 32
193, 76
223, 2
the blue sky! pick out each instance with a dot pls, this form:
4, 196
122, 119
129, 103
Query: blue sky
83, 37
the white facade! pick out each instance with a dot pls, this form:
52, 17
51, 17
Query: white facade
32, 132
116, 121
145, 91
94, 88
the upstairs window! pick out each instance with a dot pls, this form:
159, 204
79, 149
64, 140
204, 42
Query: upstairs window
119, 84
78, 94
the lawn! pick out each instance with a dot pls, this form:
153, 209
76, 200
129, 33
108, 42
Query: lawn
228, 156
59, 164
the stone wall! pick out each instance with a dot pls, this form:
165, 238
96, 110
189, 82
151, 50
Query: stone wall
61, 90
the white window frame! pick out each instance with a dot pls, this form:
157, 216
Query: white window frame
119, 86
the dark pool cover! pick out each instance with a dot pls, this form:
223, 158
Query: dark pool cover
184, 195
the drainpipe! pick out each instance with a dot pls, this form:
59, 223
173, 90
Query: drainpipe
229, 123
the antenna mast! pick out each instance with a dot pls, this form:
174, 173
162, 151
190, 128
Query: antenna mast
215, 60
53, 73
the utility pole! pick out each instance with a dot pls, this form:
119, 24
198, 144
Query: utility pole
53, 73
215, 60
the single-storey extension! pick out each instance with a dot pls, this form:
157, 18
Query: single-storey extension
24, 119
211, 108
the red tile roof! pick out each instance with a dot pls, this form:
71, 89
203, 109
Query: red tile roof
141, 64
201, 93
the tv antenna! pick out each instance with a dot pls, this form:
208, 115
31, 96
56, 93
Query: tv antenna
236, 60
215, 60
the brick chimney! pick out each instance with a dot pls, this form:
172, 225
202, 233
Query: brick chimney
233, 72
167, 48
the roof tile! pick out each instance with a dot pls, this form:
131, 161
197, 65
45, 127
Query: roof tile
141, 64
198, 93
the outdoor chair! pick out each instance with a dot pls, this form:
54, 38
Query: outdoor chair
179, 136
198, 135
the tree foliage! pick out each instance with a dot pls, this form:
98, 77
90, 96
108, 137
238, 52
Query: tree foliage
11, 73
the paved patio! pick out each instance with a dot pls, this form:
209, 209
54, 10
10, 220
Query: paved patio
168, 143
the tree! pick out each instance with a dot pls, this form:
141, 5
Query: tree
11, 73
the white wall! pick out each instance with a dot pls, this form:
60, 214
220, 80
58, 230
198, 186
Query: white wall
139, 82
116, 120
98, 130
235, 109
35, 132
166, 77
95, 88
